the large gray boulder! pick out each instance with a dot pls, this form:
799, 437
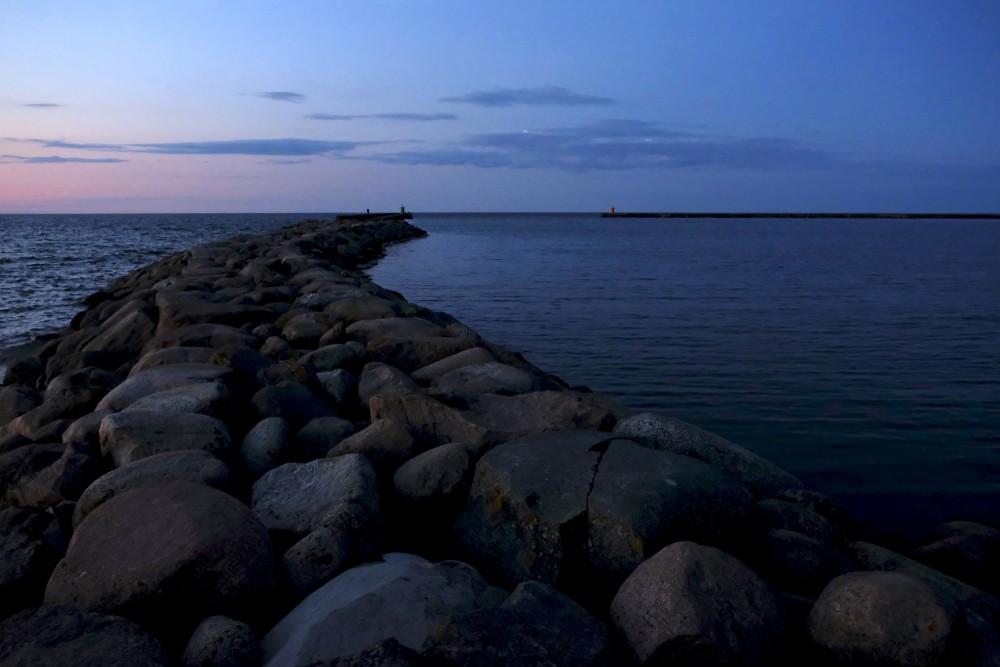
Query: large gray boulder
160, 378
881, 618
378, 378
526, 515
156, 552
265, 445
643, 499
402, 597
759, 475
297, 498
468, 357
873, 557
65, 635
440, 473
186, 465
317, 437
204, 398
135, 434
691, 604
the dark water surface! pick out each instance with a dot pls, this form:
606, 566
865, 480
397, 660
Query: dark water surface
862, 355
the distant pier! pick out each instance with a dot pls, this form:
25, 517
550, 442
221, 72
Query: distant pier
374, 217
872, 216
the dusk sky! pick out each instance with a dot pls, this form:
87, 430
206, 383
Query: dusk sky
299, 106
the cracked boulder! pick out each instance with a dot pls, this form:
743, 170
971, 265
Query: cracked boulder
581, 509
759, 475
526, 516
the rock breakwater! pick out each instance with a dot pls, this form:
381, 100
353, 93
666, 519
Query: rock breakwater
248, 453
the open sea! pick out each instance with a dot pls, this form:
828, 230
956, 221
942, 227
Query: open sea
861, 355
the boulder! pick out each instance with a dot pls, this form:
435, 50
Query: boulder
65, 635
526, 515
135, 434
440, 473
220, 641
197, 466
86, 429
305, 329
329, 357
881, 618
402, 597
409, 354
204, 398
215, 336
377, 378
535, 625
158, 379
20, 465
317, 437
643, 499
159, 550
691, 604
467, 357
514, 416
292, 401
65, 479
393, 327
488, 378
355, 308
772, 513
387, 443
26, 558
124, 335
16, 400
759, 475
954, 592
265, 445
799, 564
339, 386
965, 550
297, 498
430, 421
182, 308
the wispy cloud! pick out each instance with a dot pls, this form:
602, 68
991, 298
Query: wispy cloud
619, 145
416, 117
42, 105
265, 147
540, 96
283, 96
56, 159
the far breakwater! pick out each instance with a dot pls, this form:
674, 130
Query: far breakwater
250, 452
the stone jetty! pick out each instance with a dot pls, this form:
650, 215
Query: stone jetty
250, 454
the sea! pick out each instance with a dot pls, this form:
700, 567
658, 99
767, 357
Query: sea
861, 355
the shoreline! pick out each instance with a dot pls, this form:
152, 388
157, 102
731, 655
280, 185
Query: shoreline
305, 424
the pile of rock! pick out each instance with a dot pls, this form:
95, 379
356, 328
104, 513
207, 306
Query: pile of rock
248, 453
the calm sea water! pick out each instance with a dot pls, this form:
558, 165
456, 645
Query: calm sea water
863, 356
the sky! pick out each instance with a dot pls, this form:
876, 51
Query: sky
549, 105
